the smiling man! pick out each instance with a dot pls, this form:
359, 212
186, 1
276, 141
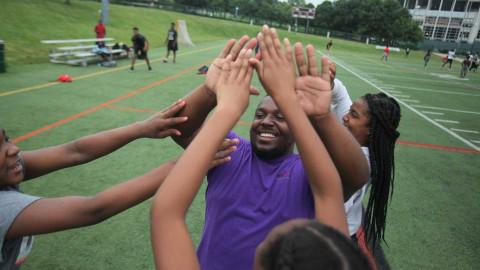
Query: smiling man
265, 183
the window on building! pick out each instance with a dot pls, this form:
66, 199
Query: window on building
442, 21
435, 5
452, 34
455, 22
411, 4
475, 6
447, 5
430, 20
422, 4
460, 5
440, 32
428, 31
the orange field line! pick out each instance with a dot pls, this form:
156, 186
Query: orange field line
100, 106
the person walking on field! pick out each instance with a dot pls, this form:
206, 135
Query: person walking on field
450, 56
172, 44
386, 53
140, 48
426, 58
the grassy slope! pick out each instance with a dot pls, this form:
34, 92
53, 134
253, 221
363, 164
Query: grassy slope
24, 23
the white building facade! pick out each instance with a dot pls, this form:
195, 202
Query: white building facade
447, 20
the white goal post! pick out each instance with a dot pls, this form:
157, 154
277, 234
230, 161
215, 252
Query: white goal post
183, 36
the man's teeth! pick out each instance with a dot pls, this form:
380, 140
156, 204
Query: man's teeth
267, 135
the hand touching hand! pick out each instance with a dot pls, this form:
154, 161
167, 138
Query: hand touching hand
232, 48
233, 85
275, 69
222, 156
160, 125
313, 89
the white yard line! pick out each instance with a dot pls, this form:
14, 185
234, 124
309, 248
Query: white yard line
410, 100
466, 130
435, 91
395, 91
444, 109
447, 121
399, 96
436, 113
465, 141
476, 141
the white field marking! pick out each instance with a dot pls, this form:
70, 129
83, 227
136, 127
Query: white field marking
466, 130
396, 91
447, 121
410, 100
476, 141
436, 113
399, 96
465, 141
430, 80
444, 109
435, 91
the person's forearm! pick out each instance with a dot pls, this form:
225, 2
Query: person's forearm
345, 151
323, 177
97, 145
199, 103
125, 195
313, 153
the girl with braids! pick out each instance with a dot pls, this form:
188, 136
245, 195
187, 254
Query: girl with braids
373, 120
296, 244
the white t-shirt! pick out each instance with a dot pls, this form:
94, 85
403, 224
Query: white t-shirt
451, 54
341, 103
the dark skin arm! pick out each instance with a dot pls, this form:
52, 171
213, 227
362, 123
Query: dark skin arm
202, 100
343, 148
43, 161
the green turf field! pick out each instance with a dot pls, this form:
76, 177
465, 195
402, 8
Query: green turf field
434, 214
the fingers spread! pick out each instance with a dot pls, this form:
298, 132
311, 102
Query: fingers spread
269, 46
288, 50
300, 59
174, 108
226, 50
276, 42
312, 61
240, 44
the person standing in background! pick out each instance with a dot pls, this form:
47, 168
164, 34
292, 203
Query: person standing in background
172, 44
100, 31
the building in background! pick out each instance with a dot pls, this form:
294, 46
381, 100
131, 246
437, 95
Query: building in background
447, 20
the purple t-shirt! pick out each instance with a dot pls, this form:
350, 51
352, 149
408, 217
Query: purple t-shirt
245, 199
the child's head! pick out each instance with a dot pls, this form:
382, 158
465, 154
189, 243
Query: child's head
306, 244
11, 165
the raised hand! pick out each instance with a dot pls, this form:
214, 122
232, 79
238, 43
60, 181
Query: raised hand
313, 89
275, 69
160, 124
233, 85
232, 48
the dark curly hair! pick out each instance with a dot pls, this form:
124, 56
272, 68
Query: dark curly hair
312, 247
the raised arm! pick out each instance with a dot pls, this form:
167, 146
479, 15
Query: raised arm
172, 245
345, 151
86, 149
57, 214
202, 100
322, 174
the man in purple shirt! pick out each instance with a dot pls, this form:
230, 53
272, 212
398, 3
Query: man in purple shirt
265, 183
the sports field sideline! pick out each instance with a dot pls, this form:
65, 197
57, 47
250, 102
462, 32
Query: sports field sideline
433, 217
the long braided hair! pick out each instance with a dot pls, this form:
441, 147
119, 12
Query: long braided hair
384, 114
311, 247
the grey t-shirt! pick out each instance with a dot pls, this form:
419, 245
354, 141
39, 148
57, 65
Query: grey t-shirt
13, 251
